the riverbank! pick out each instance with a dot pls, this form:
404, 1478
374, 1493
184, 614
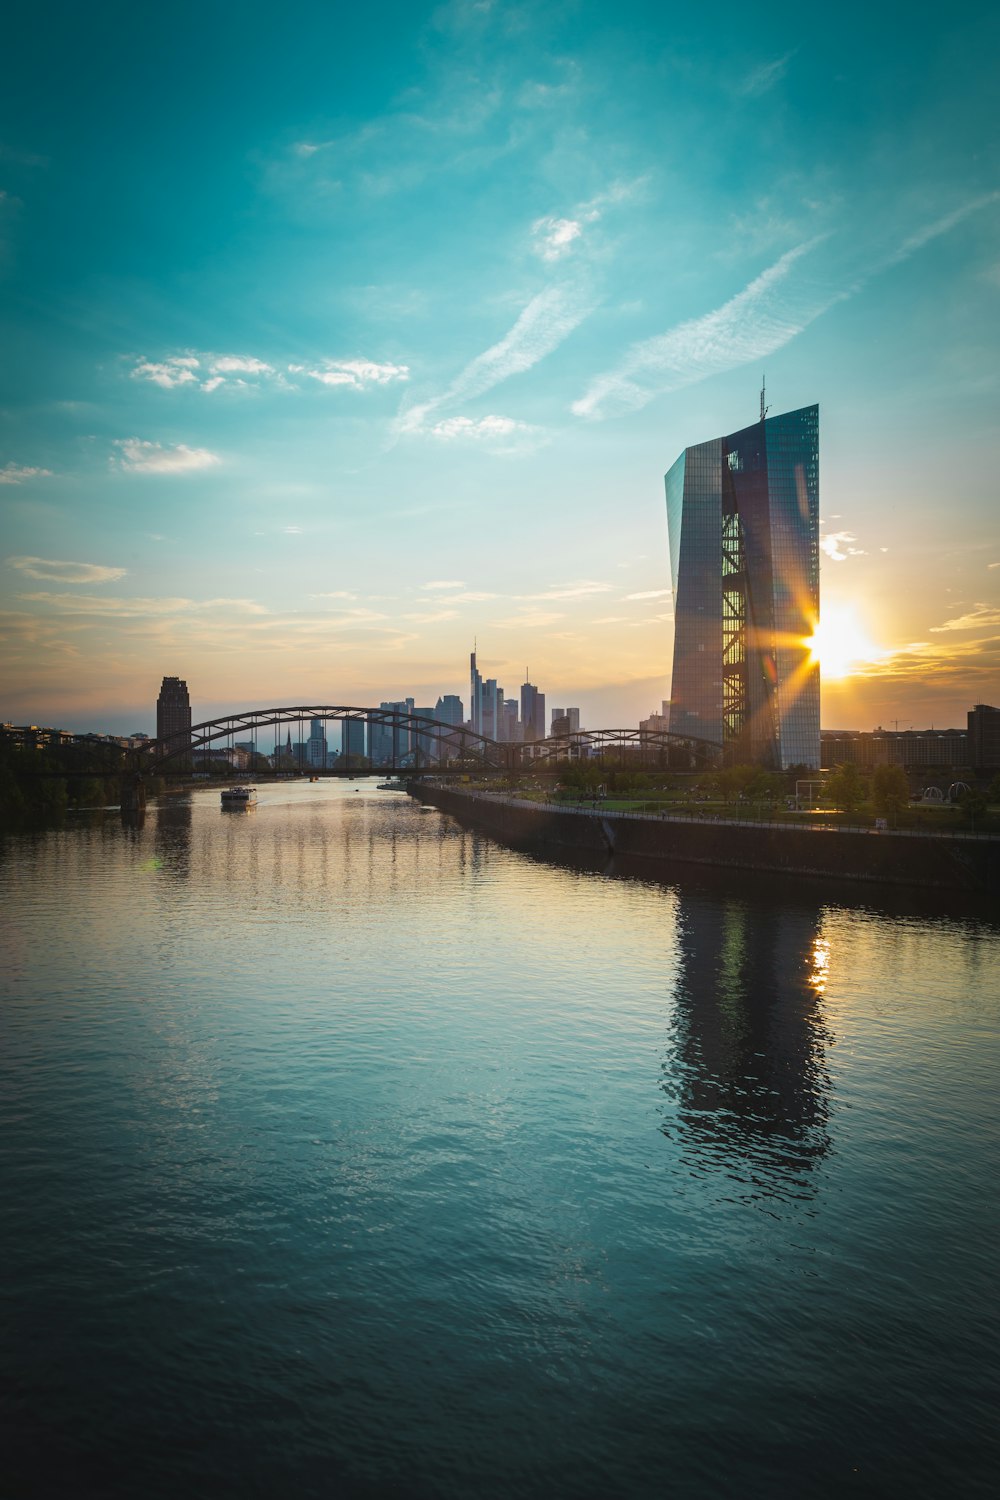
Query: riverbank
952, 862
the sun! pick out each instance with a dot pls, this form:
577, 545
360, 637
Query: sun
840, 644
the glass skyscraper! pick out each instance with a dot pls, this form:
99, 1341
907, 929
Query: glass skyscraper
743, 519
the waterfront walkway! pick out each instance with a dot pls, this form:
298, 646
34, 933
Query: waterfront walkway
703, 820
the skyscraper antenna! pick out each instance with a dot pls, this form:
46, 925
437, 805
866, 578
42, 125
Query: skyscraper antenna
764, 409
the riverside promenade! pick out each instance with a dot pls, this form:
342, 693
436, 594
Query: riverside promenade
943, 861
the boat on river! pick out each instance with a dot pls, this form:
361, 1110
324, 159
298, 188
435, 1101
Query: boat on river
239, 796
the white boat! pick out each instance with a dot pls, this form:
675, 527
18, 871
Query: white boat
239, 796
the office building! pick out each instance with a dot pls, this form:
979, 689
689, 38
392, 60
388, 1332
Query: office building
389, 742
911, 748
511, 722
173, 713
532, 711
316, 745
743, 520
573, 715
352, 733
450, 710
475, 695
984, 737
492, 710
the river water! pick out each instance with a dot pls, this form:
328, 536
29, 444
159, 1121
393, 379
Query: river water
345, 1152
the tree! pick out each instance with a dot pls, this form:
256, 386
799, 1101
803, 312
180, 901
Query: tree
891, 791
973, 805
993, 790
846, 788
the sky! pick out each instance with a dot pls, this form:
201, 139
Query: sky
337, 338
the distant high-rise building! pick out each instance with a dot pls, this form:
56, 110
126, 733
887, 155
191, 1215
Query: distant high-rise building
560, 726
173, 713
557, 713
532, 711
389, 741
984, 737
475, 695
317, 744
426, 743
450, 710
511, 722
492, 710
573, 715
743, 519
353, 738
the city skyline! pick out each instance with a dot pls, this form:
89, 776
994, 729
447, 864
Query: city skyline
385, 339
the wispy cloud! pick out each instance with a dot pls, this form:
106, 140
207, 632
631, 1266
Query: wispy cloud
969, 668
354, 373
179, 369
649, 594
490, 429
754, 323
94, 604
764, 77
938, 227
309, 148
548, 319
839, 546
554, 237
50, 571
579, 590
773, 309
139, 457
432, 616
444, 583
18, 473
979, 617
534, 619
207, 372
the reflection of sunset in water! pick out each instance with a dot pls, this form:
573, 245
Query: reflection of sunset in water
342, 1110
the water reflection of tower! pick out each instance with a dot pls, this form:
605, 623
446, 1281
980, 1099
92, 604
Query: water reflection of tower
745, 1069
172, 837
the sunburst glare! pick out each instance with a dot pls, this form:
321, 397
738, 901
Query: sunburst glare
840, 643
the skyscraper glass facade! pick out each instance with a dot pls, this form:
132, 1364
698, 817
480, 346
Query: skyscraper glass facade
743, 522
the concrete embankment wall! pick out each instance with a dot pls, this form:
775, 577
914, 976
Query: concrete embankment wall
884, 858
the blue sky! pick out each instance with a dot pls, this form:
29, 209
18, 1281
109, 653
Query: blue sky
337, 337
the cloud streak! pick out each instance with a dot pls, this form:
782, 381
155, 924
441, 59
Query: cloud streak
18, 473
139, 457
48, 570
981, 616
209, 372
754, 323
767, 314
548, 319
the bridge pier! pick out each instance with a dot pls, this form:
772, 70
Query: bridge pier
133, 793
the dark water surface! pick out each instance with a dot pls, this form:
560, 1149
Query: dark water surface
344, 1152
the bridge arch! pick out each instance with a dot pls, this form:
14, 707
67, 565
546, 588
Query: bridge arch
435, 743
434, 739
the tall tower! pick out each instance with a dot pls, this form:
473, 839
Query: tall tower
743, 520
475, 694
173, 713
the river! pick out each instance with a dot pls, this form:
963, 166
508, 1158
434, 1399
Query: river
346, 1152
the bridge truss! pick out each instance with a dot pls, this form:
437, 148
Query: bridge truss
417, 743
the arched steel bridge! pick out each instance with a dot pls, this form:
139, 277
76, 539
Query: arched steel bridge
434, 743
